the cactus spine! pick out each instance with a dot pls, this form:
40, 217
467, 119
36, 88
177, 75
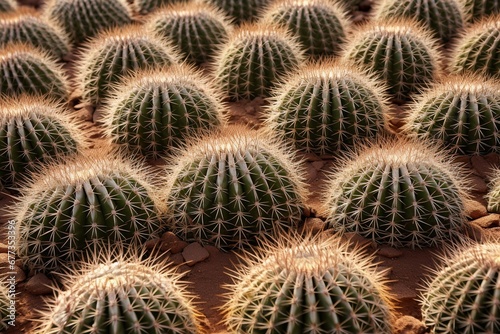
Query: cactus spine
232, 187
114, 54
327, 107
398, 52
443, 17
255, 58
398, 193
5, 299
196, 29
477, 9
462, 295
477, 51
144, 7
8, 6
240, 10
313, 285
33, 131
319, 25
462, 113
83, 19
154, 112
25, 26
25, 69
92, 199
123, 295
494, 193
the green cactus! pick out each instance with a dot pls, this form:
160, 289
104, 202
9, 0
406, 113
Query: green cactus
196, 29
33, 131
443, 17
154, 112
25, 69
463, 294
477, 9
240, 10
232, 187
494, 193
25, 26
114, 54
327, 107
255, 58
83, 19
96, 197
477, 51
399, 193
308, 285
144, 7
122, 295
319, 25
5, 299
461, 113
398, 52
8, 6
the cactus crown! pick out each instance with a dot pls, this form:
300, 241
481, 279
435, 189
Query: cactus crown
288, 274
25, 25
320, 25
157, 298
461, 112
476, 51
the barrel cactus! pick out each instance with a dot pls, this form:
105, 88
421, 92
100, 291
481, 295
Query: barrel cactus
144, 7
477, 51
462, 296
400, 52
254, 59
399, 193
25, 69
443, 17
240, 11
33, 131
494, 193
319, 25
477, 9
196, 29
122, 295
154, 112
91, 199
327, 107
83, 19
309, 285
232, 187
8, 6
26, 26
461, 113
111, 55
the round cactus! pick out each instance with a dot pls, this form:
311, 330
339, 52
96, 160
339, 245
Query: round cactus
122, 295
93, 198
25, 26
82, 19
477, 9
153, 112
240, 10
232, 187
196, 29
463, 294
255, 58
494, 193
477, 51
25, 69
8, 6
319, 25
114, 54
443, 17
400, 53
144, 7
462, 113
310, 285
327, 107
34, 130
398, 193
